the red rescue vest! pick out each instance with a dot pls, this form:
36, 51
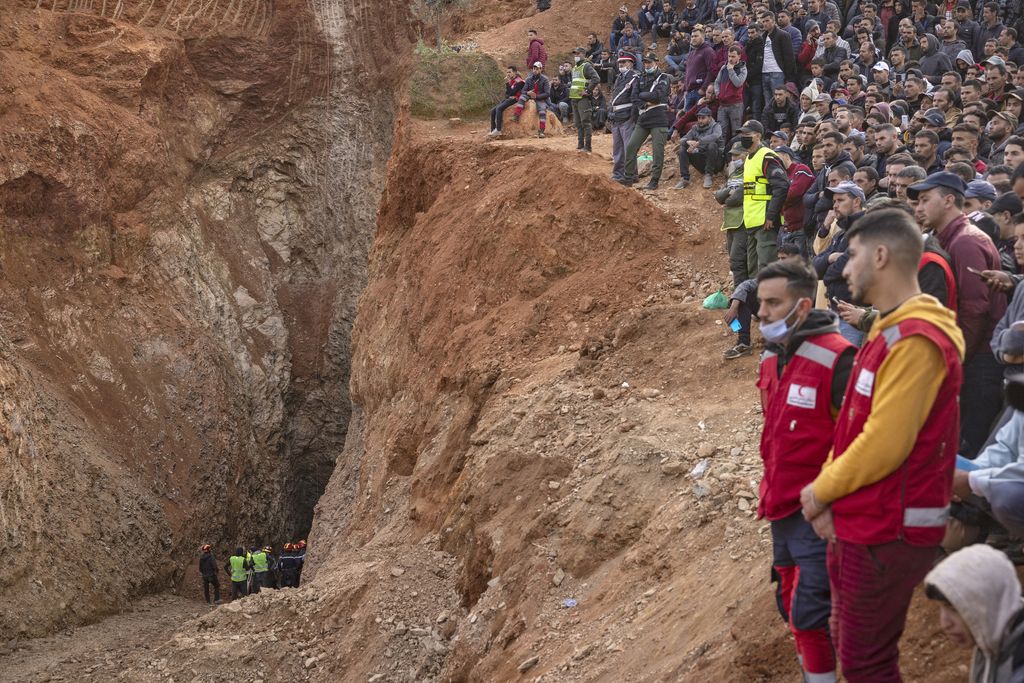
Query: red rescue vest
912, 503
947, 273
798, 422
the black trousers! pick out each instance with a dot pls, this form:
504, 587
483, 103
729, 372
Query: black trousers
238, 589
981, 401
211, 581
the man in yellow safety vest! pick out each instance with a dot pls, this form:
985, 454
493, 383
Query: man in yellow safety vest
584, 79
765, 185
237, 566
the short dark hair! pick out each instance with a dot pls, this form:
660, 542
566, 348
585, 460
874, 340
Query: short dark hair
912, 172
901, 159
964, 170
930, 134
999, 169
800, 279
896, 230
869, 171
1014, 140
966, 128
834, 135
789, 249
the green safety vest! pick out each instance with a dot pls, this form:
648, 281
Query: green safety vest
579, 81
259, 561
756, 194
237, 568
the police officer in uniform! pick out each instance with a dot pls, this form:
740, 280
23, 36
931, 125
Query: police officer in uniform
584, 79
653, 121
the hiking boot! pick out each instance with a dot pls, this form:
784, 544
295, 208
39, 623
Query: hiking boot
540, 134
651, 186
683, 182
737, 351
708, 181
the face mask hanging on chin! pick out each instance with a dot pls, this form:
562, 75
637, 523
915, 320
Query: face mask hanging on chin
780, 330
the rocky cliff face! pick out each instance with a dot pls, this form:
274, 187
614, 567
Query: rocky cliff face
187, 197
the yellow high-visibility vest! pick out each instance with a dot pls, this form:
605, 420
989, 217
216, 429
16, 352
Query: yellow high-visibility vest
756, 193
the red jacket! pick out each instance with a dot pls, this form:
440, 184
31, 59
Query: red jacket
798, 420
536, 53
911, 504
800, 180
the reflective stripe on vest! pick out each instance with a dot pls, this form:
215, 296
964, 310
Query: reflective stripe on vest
237, 568
579, 82
947, 274
910, 504
926, 517
798, 420
259, 561
755, 188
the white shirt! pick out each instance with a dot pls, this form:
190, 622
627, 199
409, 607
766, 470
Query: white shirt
770, 65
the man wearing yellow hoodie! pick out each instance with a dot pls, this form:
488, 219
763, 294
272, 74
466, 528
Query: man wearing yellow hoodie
882, 497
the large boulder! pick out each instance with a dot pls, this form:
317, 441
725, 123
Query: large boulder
528, 123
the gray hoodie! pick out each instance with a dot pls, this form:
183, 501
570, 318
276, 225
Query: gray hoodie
981, 585
935, 63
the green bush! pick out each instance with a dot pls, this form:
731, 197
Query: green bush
449, 84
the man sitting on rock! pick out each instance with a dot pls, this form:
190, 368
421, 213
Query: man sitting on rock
537, 88
513, 87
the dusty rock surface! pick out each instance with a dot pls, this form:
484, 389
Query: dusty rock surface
549, 473
187, 198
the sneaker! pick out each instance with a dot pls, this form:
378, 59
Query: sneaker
515, 118
540, 134
494, 133
626, 181
737, 351
683, 182
708, 181
652, 46
651, 186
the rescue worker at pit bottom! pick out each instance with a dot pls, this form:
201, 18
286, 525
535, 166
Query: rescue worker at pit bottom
237, 566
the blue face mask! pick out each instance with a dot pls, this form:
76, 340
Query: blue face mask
651, 69
780, 330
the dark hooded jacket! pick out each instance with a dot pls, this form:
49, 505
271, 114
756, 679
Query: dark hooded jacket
818, 322
934, 63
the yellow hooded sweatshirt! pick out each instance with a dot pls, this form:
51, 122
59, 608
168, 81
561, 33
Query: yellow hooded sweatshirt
905, 388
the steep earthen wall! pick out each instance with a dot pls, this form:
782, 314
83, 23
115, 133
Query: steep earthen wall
187, 197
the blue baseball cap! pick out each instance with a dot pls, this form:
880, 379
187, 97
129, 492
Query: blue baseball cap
980, 189
950, 181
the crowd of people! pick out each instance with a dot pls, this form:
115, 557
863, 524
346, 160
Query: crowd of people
252, 570
869, 158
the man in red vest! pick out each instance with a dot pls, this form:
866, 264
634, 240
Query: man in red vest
802, 378
882, 498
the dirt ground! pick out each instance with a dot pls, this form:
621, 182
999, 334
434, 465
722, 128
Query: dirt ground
540, 456
533, 383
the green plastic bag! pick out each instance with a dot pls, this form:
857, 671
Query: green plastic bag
716, 301
644, 157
